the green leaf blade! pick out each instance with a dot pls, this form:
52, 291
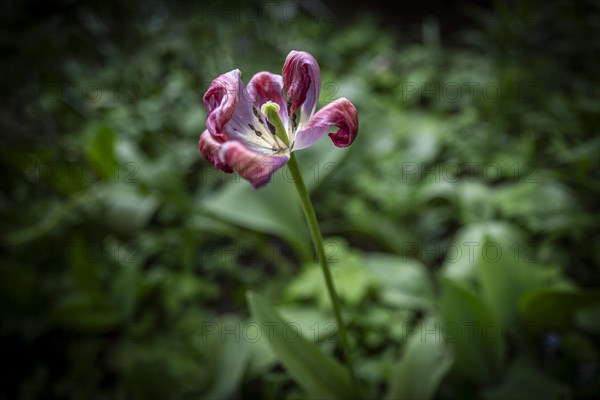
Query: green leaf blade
316, 372
425, 362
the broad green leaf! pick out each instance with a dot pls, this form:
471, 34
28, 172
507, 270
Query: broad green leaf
466, 250
317, 373
231, 359
80, 313
494, 258
262, 358
353, 281
474, 202
525, 382
468, 325
315, 325
124, 291
273, 209
504, 276
588, 319
553, 308
404, 282
163, 367
127, 210
425, 362
101, 152
529, 202
82, 266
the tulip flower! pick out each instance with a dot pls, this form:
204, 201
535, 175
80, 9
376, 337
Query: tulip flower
253, 130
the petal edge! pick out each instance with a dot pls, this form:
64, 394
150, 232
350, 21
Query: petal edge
340, 113
220, 101
254, 167
210, 147
302, 81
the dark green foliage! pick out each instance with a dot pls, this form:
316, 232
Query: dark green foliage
461, 225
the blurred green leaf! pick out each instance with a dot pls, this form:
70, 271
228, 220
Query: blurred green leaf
125, 289
82, 267
467, 248
319, 375
231, 357
315, 325
127, 210
525, 382
424, 363
80, 313
477, 339
496, 260
320, 164
352, 280
273, 209
505, 274
404, 282
588, 319
101, 152
554, 308
162, 367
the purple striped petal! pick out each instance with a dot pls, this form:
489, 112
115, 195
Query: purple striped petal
210, 147
229, 108
302, 82
221, 100
266, 86
340, 113
253, 166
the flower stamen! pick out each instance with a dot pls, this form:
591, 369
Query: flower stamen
271, 111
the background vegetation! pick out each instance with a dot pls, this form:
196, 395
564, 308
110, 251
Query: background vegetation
461, 225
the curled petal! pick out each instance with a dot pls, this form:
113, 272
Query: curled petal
302, 81
266, 86
221, 100
340, 113
232, 114
251, 165
210, 147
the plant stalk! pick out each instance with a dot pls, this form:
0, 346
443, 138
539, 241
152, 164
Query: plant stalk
317, 238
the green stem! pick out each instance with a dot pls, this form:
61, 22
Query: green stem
315, 232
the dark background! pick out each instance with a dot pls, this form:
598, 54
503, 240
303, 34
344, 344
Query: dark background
125, 255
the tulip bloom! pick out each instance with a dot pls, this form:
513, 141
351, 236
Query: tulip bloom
253, 130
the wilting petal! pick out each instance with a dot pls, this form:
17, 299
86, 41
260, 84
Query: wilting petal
221, 100
210, 147
253, 166
302, 82
266, 86
340, 113
231, 113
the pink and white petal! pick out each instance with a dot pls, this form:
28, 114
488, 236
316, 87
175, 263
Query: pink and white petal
229, 108
302, 81
265, 86
210, 147
340, 113
220, 101
252, 166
